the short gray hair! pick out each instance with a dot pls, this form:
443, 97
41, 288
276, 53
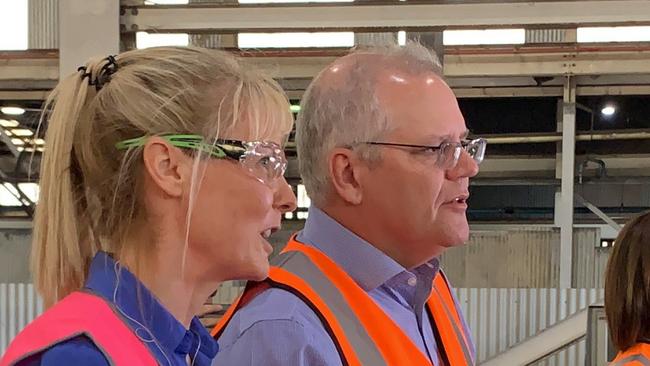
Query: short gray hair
343, 116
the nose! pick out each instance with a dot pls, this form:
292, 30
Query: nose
284, 200
465, 168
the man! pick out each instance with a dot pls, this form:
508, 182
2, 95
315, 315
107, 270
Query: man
383, 155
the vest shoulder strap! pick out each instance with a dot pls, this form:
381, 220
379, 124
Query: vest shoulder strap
77, 314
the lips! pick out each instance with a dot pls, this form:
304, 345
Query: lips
270, 231
460, 199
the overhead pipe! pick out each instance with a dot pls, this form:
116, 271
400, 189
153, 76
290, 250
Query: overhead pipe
557, 137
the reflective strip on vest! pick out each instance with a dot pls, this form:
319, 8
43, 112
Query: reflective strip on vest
78, 314
364, 347
455, 341
639, 354
641, 359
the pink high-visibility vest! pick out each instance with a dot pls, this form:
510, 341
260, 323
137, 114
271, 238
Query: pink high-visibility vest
77, 314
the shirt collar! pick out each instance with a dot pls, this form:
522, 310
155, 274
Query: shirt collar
368, 266
143, 312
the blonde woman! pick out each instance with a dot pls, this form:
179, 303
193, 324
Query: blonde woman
162, 177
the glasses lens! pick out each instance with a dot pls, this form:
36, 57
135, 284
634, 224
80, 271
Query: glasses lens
476, 149
265, 160
449, 154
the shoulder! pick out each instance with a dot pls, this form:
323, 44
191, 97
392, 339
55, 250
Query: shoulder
274, 304
276, 329
272, 311
79, 350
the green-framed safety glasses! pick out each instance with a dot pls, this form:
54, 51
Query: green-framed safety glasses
265, 160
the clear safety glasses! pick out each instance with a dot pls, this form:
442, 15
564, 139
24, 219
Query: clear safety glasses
448, 152
265, 160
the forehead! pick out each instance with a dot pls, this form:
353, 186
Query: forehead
420, 105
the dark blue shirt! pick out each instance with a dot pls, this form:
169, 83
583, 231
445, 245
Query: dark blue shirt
167, 339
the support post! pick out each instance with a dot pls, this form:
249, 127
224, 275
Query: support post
566, 170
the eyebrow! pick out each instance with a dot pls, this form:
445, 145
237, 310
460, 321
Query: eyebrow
463, 136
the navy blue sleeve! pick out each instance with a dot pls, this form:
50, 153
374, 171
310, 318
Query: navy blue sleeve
76, 351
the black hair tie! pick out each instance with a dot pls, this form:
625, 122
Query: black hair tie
104, 74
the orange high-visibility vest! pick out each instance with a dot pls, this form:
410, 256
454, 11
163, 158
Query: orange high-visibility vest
637, 355
345, 309
78, 314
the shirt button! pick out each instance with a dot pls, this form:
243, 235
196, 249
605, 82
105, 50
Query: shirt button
412, 281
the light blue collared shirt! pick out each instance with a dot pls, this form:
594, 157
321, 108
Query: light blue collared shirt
278, 329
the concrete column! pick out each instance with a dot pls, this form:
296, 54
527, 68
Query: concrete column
87, 28
565, 169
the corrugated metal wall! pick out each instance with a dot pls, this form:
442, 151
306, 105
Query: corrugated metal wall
498, 318
521, 259
19, 305
546, 35
501, 318
43, 24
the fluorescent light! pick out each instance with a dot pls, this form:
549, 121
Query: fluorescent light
9, 123
146, 40
39, 141
294, 108
303, 215
614, 34
608, 110
6, 132
14, 111
292, 1
13, 27
483, 36
165, 2
6, 196
23, 132
401, 38
17, 142
302, 197
31, 190
288, 215
299, 39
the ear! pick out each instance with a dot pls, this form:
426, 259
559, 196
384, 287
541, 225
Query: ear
346, 171
165, 166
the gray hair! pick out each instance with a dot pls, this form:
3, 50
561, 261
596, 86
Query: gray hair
344, 115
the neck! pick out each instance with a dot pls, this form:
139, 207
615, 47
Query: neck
356, 220
173, 279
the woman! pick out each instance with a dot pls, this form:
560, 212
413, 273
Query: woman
162, 177
627, 293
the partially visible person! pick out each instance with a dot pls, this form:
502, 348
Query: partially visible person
386, 159
627, 293
162, 177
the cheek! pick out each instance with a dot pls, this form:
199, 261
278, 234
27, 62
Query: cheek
230, 206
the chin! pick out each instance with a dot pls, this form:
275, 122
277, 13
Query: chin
259, 272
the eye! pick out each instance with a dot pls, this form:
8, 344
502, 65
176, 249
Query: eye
265, 161
425, 151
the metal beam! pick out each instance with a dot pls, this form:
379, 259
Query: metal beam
598, 212
564, 201
547, 342
384, 16
488, 69
23, 95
